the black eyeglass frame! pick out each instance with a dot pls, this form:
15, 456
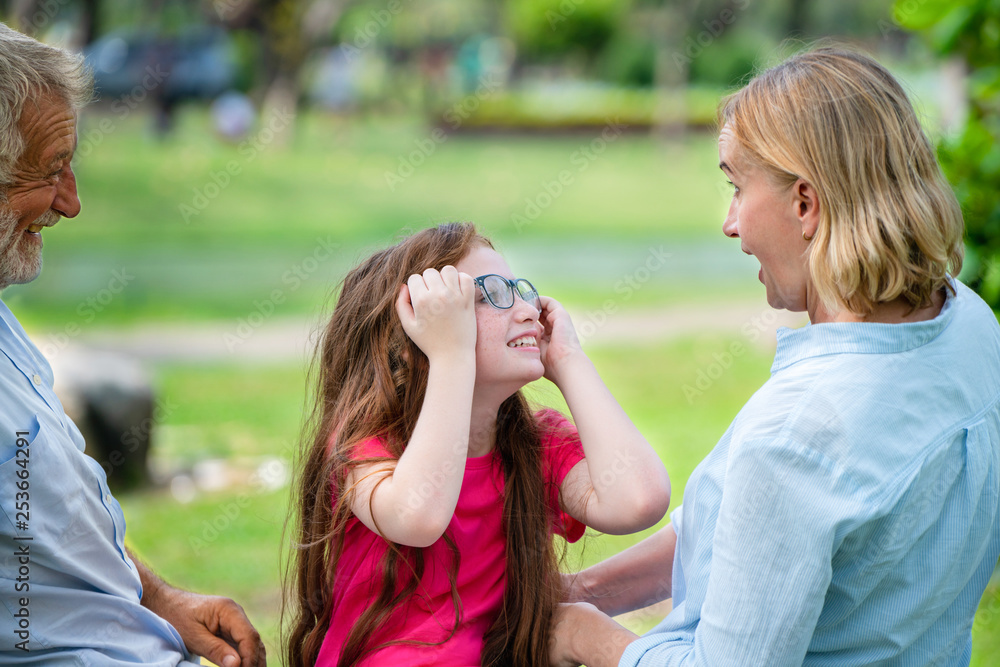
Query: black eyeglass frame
513, 287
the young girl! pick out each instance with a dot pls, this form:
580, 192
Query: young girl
430, 492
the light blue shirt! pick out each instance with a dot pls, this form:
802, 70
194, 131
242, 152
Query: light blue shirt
70, 592
850, 515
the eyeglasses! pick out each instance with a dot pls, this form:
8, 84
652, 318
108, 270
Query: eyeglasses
499, 291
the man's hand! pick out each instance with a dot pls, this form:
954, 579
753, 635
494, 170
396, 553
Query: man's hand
581, 633
211, 626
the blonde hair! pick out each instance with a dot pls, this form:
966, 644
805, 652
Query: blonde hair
890, 225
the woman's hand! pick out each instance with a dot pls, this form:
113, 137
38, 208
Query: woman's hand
581, 633
573, 588
559, 341
437, 310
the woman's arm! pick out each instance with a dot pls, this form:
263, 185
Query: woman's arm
581, 633
636, 578
437, 312
622, 486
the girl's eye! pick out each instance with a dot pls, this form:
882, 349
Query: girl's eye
733, 186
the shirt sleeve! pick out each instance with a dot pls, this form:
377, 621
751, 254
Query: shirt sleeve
561, 450
371, 448
782, 508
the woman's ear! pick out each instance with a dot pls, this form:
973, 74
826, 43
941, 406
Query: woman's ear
806, 201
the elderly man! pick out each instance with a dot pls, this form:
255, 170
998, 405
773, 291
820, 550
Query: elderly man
72, 592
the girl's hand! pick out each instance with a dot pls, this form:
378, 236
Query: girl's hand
437, 310
559, 341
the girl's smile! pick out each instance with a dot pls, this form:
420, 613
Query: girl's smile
507, 352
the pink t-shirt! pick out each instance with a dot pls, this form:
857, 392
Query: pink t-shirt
477, 529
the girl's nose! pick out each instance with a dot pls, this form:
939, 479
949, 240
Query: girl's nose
524, 310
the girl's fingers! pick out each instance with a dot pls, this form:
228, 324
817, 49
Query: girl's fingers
417, 286
449, 276
403, 304
467, 285
432, 280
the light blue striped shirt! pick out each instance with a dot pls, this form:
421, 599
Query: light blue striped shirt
850, 515
70, 592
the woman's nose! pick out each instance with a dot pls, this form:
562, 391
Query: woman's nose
729, 226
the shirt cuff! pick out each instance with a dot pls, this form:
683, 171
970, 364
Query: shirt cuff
637, 650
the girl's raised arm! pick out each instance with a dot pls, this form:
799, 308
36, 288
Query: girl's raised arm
412, 501
621, 486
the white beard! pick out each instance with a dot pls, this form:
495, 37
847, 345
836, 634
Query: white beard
20, 258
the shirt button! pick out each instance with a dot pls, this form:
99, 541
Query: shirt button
36, 378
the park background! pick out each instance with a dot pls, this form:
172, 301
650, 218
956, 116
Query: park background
243, 154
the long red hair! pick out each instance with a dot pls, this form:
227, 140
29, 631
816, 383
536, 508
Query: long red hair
370, 379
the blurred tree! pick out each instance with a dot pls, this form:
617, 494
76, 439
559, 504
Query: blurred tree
551, 29
33, 17
436, 47
970, 30
286, 31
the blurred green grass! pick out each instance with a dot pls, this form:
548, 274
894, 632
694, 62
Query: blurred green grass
230, 542
273, 224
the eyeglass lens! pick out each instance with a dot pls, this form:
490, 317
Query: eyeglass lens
501, 293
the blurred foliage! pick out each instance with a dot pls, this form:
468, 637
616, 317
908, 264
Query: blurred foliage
402, 25
545, 29
732, 65
584, 107
970, 29
627, 61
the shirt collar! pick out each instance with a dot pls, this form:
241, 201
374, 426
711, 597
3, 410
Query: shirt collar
817, 340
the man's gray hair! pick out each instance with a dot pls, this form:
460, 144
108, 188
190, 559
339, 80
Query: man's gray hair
28, 71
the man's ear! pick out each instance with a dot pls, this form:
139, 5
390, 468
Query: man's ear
806, 202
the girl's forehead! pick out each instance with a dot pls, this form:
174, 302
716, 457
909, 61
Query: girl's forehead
483, 260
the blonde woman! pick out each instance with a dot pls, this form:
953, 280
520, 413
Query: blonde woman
850, 513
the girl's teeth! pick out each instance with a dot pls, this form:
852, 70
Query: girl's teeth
521, 342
